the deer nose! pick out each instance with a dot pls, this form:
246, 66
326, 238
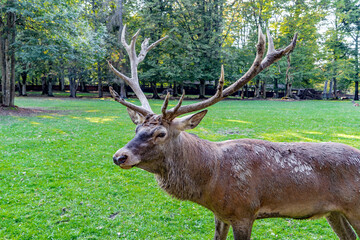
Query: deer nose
119, 160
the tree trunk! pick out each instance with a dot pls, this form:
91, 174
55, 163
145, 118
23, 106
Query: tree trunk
276, 88
62, 79
202, 89
356, 79
116, 27
99, 75
7, 57
120, 10
175, 90
83, 86
325, 88
334, 88
19, 86
44, 86
100, 83
289, 90
263, 89
288, 78
73, 83
181, 87
100, 88
155, 92
116, 87
22, 84
123, 92
50, 88
257, 88
73, 87
330, 89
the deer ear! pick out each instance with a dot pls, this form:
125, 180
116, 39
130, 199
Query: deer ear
136, 117
189, 122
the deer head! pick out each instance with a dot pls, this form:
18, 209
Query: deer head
155, 132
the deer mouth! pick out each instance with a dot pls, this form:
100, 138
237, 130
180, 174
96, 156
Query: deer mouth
126, 167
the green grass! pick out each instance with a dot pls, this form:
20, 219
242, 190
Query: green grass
57, 179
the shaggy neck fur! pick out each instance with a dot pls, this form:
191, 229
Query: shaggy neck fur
188, 167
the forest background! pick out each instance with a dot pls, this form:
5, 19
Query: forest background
66, 43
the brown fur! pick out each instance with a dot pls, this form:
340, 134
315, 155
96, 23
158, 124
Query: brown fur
244, 180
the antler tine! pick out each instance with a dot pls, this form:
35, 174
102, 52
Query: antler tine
271, 47
156, 43
292, 45
133, 42
119, 99
165, 105
119, 74
133, 82
180, 101
123, 40
170, 114
275, 55
220, 86
145, 48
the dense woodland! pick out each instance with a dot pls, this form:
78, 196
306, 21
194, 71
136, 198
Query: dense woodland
66, 43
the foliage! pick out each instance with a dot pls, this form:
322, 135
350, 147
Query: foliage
54, 36
58, 181
71, 40
349, 15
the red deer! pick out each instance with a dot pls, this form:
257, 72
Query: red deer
240, 180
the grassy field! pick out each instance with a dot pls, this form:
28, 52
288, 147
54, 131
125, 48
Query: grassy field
57, 179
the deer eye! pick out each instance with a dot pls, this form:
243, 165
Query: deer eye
161, 135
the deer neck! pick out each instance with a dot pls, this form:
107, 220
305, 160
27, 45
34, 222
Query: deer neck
188, 167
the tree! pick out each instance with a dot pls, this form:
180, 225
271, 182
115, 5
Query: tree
301, 16
68, 43
8, 18
203, 24
195, 30
58, 39
157, 22
335, 57
115, 26
349, 12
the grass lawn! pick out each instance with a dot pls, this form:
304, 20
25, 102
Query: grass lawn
58, 181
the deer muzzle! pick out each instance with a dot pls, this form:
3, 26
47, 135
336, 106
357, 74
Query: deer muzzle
125, 159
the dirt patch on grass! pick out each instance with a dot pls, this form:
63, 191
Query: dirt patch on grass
23, 112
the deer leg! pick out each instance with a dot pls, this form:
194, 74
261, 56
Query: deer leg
341, 226
221, 229
354, 221
242, 229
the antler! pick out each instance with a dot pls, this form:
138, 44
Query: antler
133, 82
258, 65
